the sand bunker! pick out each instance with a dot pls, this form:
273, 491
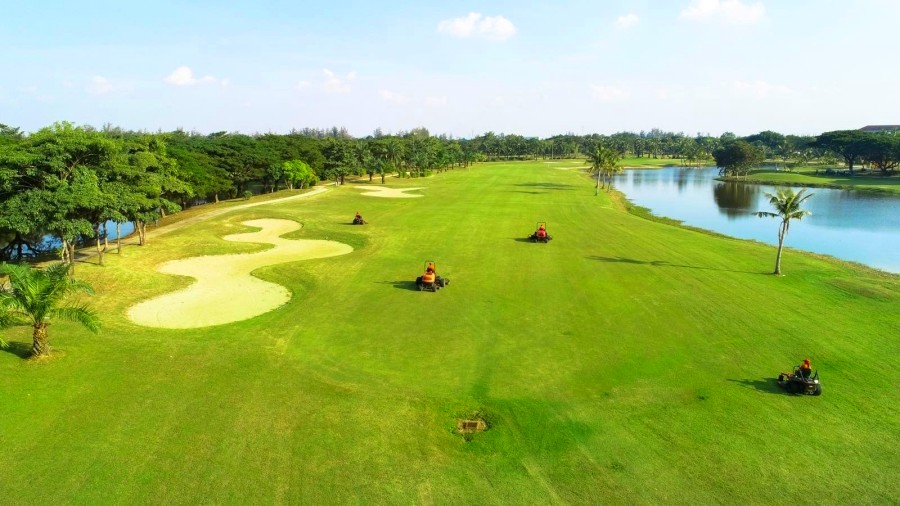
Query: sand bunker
392, 193
225, 291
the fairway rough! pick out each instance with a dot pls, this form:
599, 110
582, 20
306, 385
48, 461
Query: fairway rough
392, 193
225, 291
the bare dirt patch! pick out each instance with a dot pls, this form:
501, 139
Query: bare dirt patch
225, 291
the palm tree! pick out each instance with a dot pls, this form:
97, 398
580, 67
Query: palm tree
35, 297
604, 162
787, 204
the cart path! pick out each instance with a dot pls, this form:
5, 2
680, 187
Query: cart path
224, 290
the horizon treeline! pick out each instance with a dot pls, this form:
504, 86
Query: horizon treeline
69, 182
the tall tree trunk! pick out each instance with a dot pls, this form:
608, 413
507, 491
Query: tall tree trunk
99, 250
597, 189
72, 258
118, 238
781, 233
216, 196
139, 228
370, 176
65, 251
382, 178
40, 346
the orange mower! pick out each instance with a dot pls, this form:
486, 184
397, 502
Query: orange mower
540, 235
430, 280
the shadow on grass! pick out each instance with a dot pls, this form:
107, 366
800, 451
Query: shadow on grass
21, 350
522, 239
768, 385
528, 192
664, 263
547, 186
402, 285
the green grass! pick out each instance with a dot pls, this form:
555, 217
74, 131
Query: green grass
808, 176
628, 361
633, 162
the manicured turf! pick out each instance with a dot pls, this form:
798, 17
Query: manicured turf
811, 177
627, 361
646, 162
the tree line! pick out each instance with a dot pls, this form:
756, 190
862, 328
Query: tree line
878, 150
71, 182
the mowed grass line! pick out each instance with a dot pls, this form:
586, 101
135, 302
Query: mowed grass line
626, 361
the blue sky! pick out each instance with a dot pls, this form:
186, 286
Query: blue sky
461, 68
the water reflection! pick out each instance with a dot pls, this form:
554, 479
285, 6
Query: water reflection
859, 226
736, 199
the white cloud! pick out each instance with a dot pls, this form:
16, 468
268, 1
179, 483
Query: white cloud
608, 93
100, 86
627, 21
335, 84
302, 85
394, 98
475, 25
730, 11
225, 83
184, 76
759, 89
440, 101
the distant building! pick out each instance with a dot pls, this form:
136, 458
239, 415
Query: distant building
881, 128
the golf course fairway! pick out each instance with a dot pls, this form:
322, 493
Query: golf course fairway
626, 362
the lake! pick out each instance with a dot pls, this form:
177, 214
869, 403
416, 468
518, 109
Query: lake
853, 225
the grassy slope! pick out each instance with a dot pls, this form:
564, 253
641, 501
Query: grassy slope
626, 361
808, 177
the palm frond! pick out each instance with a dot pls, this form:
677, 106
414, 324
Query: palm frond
79, 314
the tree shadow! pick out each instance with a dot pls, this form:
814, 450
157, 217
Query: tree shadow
663, 263
402, 285
522, 239
528, 192
547, 186
19, 349
768, 385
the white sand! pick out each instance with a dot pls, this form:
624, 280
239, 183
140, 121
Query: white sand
225, 291
391, 193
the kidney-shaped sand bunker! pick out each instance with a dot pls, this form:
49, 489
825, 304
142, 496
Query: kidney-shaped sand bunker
225, 291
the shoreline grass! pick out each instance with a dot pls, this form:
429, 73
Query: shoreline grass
808, 177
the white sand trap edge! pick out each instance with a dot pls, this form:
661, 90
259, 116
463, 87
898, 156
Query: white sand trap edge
391, 193
225, 292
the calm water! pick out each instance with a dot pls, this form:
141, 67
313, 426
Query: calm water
859, 226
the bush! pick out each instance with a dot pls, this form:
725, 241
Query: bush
247, 194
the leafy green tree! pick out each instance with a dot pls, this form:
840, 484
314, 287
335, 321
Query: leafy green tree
882, 151
299, 173
787, 207
851, 145
36, 297
154, 182
736, 158
339, 158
